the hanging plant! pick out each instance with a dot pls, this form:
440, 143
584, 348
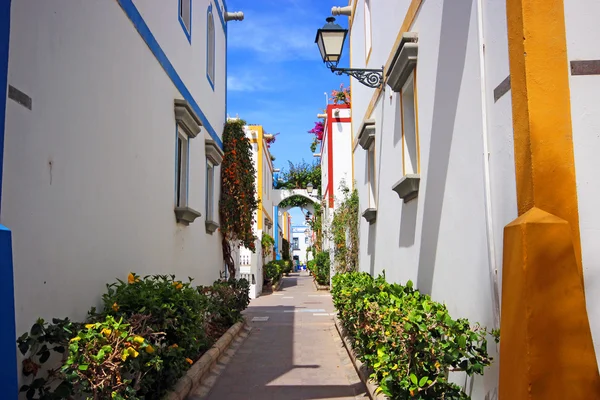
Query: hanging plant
341, 96
238, 192
270, 138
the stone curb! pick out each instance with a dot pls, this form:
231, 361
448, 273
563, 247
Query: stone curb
277, 287
202, 368
361, 369
320, 287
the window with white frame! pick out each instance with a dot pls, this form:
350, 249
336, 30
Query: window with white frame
368, 30
185, 16
210, 47
181, 185
371, 171
410, 158
210, 190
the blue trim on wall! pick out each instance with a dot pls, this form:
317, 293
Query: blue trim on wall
221, 16
188, 34
209, 16
9, 378
140, 25
276, 232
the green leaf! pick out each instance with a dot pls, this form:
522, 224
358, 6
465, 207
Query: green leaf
36, 330
462, 341
45, 356
413, 378
83, 367
423, 381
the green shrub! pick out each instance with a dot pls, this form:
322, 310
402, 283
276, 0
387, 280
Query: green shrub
409, 341
273, 271
227, 300
145, 338
321, 268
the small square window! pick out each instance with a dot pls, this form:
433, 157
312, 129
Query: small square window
181, 185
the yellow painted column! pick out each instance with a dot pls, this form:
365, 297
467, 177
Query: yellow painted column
546, 348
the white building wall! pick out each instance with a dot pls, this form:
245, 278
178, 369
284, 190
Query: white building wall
89, 172
438, 240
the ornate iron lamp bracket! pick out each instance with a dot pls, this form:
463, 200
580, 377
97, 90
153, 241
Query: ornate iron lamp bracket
368, 77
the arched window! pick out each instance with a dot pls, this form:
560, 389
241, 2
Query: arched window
210, 48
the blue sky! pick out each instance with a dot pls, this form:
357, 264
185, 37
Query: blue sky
275, 75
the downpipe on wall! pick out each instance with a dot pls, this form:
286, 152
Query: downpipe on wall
493, 271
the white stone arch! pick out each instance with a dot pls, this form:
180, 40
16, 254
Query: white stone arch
282, 194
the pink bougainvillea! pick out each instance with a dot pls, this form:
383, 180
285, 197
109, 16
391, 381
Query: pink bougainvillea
318, 130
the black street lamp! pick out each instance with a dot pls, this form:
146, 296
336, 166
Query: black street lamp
330, 39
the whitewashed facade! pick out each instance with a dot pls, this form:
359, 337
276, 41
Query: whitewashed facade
112, 145
434, 154
251, 264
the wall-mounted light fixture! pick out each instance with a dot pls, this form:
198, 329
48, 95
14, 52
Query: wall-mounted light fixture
330, 39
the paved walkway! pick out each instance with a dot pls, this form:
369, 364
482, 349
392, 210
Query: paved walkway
292, 352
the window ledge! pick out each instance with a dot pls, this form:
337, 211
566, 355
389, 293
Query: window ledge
186, 215
366, 134
407, 187
403, 62
211, 226
187, 118
370, 215
213, 152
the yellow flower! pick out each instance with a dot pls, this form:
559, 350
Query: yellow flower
89, 326
131, 278
189, 361
115, 307
138, 339
149, 349
106, 332
178, 287
129, 352
437, 365
75, 339
174, 346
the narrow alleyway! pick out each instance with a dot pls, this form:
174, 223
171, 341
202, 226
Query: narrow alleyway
292, 352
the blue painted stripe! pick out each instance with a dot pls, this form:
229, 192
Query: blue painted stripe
140, 25
221, 16
9, 379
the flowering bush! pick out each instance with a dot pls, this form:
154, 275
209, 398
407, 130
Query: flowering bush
341, 96
409, 341
267, 242
149, 333
318, 130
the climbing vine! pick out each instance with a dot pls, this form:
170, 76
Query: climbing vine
344, 232
316, 225
238, 192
